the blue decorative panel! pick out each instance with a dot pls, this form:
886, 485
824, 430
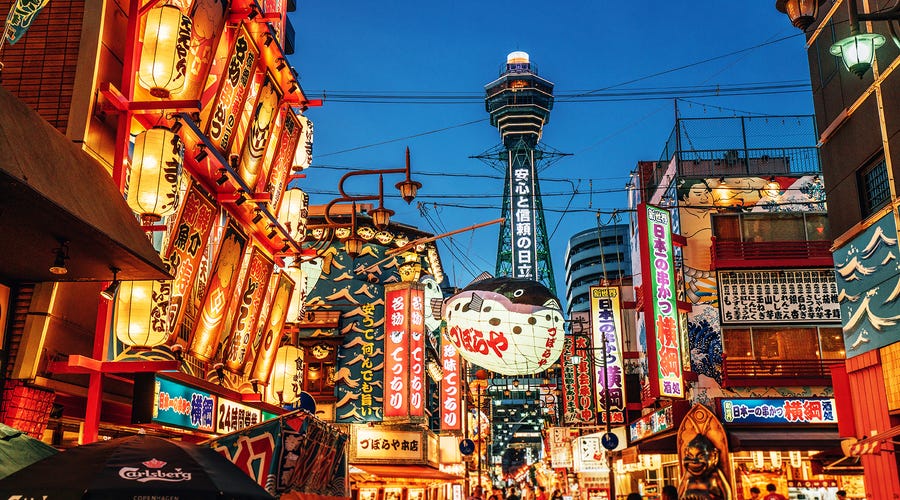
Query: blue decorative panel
868, 278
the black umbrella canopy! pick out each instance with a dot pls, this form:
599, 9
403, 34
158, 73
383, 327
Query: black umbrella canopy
132, 467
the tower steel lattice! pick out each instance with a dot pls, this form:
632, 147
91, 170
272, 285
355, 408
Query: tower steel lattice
519, 102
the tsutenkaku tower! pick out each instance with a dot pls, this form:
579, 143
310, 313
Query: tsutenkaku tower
519, 102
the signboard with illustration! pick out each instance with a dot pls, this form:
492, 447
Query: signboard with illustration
294, 452
868, 282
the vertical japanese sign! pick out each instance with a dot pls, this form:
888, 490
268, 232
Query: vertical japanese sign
188, 240
208, 17
660, 308
368, 392
396, 350
270, 332
232, 92
417, 350
263, 123
579, 401
283, 158
251, 298
606, 323
522, 217
451, 402
209, 325
277, 7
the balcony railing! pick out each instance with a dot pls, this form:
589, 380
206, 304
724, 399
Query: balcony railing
776, 372
762, 254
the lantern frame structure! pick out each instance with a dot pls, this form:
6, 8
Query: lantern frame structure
166, 45
154, 174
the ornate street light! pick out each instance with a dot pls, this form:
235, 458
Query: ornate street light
857, 51
801, 12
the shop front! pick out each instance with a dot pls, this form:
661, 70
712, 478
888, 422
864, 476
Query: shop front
779, 441
651, 459
401, 462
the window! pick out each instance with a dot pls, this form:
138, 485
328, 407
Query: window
874, 191
319, 370
771, 227
789, 342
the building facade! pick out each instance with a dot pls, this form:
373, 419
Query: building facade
856, 107
594, 255
757, 326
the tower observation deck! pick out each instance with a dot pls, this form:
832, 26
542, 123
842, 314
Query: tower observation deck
519, 102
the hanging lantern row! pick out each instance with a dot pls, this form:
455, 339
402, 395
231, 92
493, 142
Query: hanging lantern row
166, 43
152, 183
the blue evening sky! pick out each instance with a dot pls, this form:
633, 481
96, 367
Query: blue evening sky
420, 48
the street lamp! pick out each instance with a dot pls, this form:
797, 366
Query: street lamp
381, 216
857, 51
802, 12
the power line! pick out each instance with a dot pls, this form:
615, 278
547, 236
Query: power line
402, 138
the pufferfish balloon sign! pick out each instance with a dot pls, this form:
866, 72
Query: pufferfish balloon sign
510, 326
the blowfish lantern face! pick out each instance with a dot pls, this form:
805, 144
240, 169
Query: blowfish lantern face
510, 326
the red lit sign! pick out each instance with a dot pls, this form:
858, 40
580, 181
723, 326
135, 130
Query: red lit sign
451, 402
396, 351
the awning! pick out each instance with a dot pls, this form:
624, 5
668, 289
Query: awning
664, 443
874, 445
761, 439
405, 472
51, 190
833, 461
18, 450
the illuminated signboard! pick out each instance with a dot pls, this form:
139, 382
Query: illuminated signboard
185, 251
396, 351
373, 445
522, 218
778, 295
579, 400
270, 331
251, 298
451, 395
588, 455
182, 406
231, 416
606, 325
417, 351
778, 411
661, 313
209, 325
561, 440
654, 423
232, 92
